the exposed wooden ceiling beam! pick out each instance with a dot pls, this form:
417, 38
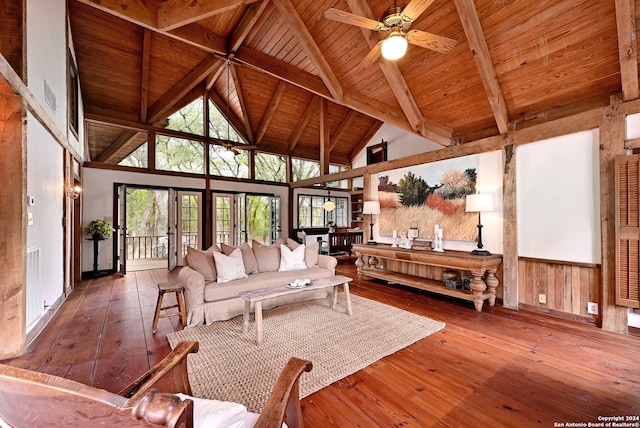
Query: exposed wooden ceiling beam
271, 111
365, 140
279, 69
236, 122
176, 13
237, 83
144, 76
309, 45
139, 13
346, 123
246, 25
211, 79
363, 104
167, 101
121, 141
627, 48
391, 71
480, 51
199, 37
133, 11
304, 121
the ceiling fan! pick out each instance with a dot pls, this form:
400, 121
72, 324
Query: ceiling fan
395, 22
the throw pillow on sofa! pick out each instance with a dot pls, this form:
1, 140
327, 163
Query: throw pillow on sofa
310, 253
249, 259
229, 267
292, 259
202, 262
268, 256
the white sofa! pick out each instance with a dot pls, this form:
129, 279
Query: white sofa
208, 300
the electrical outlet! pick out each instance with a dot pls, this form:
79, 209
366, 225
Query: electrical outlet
592, 308
542, 298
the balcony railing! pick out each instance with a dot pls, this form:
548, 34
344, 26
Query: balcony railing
156, 246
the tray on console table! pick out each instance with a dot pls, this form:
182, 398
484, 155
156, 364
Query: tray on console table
479, 266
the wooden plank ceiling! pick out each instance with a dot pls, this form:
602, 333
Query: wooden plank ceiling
515, 62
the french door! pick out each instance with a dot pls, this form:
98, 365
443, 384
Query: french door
120, 238
243, 217
189, 223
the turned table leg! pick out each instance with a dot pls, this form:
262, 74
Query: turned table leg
478, 288
359, 264
492, 284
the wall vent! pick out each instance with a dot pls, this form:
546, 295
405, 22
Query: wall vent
49, 96
34, 306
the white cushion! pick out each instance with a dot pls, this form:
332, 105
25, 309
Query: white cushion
229, 267
292, 259
217, 414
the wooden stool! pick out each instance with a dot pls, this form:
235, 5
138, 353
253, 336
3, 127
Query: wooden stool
170, 287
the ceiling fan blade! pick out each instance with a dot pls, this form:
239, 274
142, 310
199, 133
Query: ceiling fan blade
373, 55
430, 41
413, 10
351, 19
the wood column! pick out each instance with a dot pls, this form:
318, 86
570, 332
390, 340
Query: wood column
511, 297
612, 136
324, 137
13, 227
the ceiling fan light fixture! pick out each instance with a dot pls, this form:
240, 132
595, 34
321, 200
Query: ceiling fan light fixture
394, 47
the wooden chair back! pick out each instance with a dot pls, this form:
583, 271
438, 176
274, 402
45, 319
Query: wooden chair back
33, 399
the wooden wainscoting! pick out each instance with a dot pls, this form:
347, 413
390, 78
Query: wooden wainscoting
567, 286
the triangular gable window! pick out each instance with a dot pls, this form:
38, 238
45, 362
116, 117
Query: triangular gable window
189, 119
220, 128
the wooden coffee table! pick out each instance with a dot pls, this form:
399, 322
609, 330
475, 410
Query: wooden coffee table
256, 297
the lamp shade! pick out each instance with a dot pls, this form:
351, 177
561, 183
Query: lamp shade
479, 202
394, 47
329, 206
371, 207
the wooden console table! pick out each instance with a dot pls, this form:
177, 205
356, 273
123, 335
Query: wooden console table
479, 266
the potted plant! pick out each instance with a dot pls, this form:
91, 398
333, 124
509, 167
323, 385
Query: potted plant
99, 229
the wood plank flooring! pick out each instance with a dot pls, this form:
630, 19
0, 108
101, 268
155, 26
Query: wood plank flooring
495, 368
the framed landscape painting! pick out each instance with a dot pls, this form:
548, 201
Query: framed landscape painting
425, 195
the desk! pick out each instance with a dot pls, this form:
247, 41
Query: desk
482, 268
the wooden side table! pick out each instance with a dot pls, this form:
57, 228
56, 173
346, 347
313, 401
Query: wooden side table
170, 287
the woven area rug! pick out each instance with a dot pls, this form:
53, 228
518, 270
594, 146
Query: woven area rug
230, 366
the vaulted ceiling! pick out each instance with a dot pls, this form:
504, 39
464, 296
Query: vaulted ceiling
515, 62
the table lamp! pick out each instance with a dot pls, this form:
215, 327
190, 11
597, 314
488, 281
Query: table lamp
371, 208
479, 203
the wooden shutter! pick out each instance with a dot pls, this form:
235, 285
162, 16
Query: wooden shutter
627, 170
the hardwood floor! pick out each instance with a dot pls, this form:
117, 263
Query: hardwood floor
495, 368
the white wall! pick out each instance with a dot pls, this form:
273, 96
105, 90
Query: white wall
98, 200
47, 61
558, 185
45, 178
47, 55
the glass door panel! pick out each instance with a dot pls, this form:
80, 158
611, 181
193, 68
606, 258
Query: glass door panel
189, 223
223, 219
